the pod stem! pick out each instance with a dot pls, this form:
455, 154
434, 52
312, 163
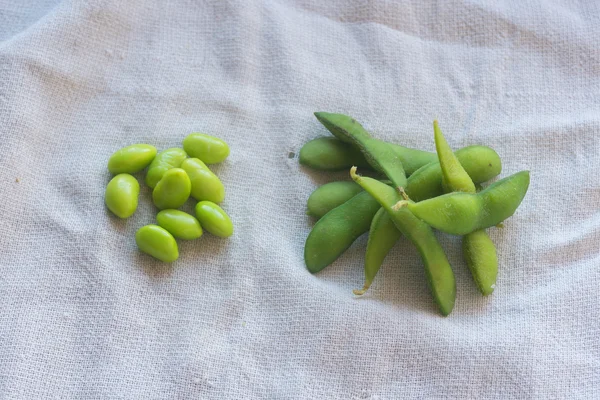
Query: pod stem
400, 204
360, 292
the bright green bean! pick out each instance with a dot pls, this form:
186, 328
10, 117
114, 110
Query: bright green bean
164, 161
157, 242
462, 213
205, 184
337, 230
378, 154
214, 219
330, 195
179, 224
172, 190
209, 149
121, 196
437, 268
383, 235
478, 249
131, 159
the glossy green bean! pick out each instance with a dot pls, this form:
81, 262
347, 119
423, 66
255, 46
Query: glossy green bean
437, 268
214, 219
330, 195
173, 190
131, 159
383, 235
337, 230
209, 149
378, 154
121, 196
205, 184
478, 249
463, 213
179, 224
157, 242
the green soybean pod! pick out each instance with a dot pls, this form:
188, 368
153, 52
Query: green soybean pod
205, 184
330, 195
478, 249
378, 154
164, 161
209, 149
330, 154
179, 224
462, 213
383, 235
157, 242
337, 230
437, 268
131, 159
121, 196
214, 219
172, 190
481, 163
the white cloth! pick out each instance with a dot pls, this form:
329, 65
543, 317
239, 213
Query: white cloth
85, 315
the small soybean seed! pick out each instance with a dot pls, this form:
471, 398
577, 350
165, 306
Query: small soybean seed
172, 190
121, 196
179, 224
214, 219
131, 159
157, 242
205, 184
164, 161
209, 149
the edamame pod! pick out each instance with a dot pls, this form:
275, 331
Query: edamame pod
214, 219
164, 161
378, 154
463, 213
172, 190
437, 268
330, 195
205, 184
131, 159
209, 149
478, 249
157, 242
481, 163
179, 224
383, 235
337, 230
331, 154
121, 196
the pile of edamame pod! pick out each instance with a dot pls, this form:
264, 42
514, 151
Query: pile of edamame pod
417, 192
174, 178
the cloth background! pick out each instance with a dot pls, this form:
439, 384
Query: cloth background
85, 315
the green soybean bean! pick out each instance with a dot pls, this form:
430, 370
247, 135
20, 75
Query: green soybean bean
214, 219
205, 184
378, 154
172, 190
121, 196
179, 224
437, 268
481, 163
383, 235
164, 161
209, 149
463, 213
478, 249
331, 154
131, 159
337, 230
330, 195
157, 242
